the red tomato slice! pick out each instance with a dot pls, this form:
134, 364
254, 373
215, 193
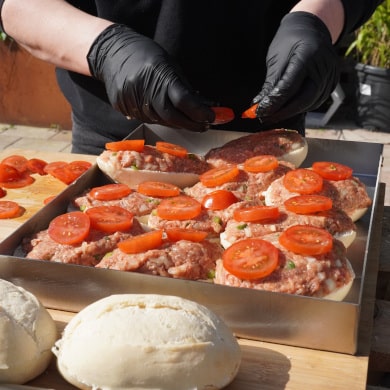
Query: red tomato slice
70, 228
217, 176
142, 242
77, 168
308, 204
173, 149
62, 174
303, 181
16, 161
180, 208
48, 199
8, 173
51, 166
255, 213
250, 113
9, 209
71, 171
110, 191
263, 163
332, 170
3, 192
10, 177
306, 240
110, 219
219, 200
136, 145
158, 189
36, 165
222, 115
185, 234
251, 258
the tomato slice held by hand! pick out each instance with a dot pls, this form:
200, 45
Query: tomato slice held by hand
9, 209
136, 145
219, 200
110, 191
110, 219
217, 176
180, 208
332, 170
170, 148
70, 228
178, 234
142, 242
158, 189
16, 161
251, 258
303, 181
264, 163
306, 240
36, 165
255, 213
250, 113
222, 115
308, 204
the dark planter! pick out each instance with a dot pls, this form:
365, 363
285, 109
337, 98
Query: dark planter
373, 98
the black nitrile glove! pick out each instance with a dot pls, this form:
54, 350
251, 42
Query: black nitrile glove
143, 82
302, 69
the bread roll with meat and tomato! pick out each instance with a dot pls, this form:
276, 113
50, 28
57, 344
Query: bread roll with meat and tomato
286, 145
266, 264
27, 334
151, 163
134, 341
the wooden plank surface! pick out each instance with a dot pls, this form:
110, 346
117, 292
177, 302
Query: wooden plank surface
264, 365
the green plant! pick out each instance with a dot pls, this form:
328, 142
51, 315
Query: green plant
371, 45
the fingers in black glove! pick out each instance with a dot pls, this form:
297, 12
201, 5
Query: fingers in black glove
302, 69
143, 82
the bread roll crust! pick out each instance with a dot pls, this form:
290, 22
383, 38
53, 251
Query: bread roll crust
147, 341
27, 334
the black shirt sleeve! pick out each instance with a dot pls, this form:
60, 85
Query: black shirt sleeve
357, 12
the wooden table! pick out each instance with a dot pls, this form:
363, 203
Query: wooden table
264, 365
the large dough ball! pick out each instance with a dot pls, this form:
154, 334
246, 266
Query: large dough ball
27, 335
132, 341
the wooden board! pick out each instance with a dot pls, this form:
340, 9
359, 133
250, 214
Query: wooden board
31, 198
264, 366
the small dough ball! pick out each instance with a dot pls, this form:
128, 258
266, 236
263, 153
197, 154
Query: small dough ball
147, 341
27, 335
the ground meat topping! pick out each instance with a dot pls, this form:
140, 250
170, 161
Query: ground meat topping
315, 276
276, 142
183, 259
89, 252
153, 160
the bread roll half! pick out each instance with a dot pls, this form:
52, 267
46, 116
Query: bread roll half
131, 341
27, 334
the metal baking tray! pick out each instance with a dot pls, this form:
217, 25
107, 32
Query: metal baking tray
274, 317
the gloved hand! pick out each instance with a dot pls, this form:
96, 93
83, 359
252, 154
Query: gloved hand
302, 69
143, 82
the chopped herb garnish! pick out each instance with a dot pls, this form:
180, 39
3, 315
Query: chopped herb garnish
290, 264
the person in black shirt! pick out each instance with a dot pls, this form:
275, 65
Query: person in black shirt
122, 62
